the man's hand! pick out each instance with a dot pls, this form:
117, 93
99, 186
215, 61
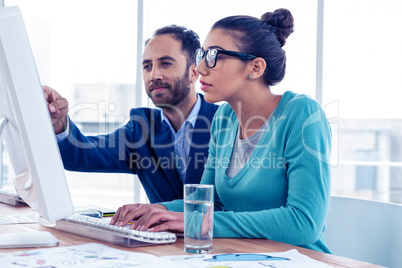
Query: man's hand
58, 108
151, 217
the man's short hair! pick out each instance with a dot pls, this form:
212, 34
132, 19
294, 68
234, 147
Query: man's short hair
189, 39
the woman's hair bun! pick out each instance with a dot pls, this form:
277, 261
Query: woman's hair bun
282, 20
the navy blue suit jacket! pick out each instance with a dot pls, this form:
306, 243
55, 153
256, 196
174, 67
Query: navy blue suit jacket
144, 147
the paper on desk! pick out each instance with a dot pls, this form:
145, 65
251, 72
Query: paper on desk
88, 255
287, 259
23, 218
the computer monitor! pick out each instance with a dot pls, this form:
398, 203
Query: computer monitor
26, 125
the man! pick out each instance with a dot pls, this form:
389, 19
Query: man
165, 147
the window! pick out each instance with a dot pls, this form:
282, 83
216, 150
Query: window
362, 66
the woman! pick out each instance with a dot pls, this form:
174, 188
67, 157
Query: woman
268, 154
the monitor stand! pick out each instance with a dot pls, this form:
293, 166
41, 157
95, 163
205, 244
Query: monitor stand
32, 239
3, 122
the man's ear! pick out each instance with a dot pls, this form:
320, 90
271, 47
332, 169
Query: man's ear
193, 74
257, 67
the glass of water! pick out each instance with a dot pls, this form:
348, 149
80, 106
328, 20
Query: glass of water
198, 217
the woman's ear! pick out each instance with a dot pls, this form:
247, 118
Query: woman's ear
257, 67
193, 74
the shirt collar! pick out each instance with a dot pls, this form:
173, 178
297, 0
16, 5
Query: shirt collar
192, 117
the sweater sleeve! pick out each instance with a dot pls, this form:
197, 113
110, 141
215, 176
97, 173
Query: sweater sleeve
301, 221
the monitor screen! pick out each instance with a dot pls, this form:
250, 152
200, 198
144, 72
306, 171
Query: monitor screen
27, 130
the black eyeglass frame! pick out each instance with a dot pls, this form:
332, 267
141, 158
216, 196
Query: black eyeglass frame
240, 55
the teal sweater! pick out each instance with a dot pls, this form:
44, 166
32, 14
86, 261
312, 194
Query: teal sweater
282, 192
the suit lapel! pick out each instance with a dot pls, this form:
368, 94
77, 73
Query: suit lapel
200, 142
161, 141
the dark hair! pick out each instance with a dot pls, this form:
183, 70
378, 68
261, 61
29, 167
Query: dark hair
262, 38
189, 39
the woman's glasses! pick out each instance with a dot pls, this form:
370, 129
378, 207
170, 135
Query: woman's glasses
211, 56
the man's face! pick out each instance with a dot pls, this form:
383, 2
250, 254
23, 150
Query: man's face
165, 72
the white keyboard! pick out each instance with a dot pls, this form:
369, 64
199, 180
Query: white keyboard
100, 230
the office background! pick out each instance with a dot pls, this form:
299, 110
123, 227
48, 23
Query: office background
344, 53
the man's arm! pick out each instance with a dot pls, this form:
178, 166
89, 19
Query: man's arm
81, 153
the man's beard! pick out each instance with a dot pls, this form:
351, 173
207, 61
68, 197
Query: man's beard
171, 97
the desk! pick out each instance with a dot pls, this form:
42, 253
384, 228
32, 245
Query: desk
220, 245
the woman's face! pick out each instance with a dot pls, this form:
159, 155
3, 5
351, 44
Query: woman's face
227, 80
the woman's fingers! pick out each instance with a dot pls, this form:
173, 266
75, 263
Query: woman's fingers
124, 214
157, 219
131, 212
